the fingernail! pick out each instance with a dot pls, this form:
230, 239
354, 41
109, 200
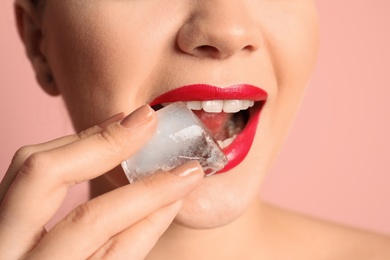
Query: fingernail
187, 169
139, 117
114, 118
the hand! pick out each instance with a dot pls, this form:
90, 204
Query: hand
123, 223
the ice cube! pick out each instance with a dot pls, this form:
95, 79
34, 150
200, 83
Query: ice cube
180, 137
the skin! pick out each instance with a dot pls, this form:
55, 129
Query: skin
140, 50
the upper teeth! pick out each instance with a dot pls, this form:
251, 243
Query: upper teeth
217, 106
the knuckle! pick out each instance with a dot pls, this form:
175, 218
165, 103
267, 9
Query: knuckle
90, 131
113, 141
113, 249
84, 215
36, 164
23, 153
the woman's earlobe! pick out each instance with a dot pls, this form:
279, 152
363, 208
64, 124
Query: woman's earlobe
48, 84
45, 76
31, 33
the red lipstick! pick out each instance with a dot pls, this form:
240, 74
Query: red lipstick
239, 148
202, 92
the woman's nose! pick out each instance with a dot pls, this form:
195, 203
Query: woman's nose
219, 29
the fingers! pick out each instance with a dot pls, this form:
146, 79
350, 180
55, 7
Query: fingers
138, 240
105, 217
10, 224
44, 177
23, 153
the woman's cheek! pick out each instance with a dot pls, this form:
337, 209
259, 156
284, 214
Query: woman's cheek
92, 66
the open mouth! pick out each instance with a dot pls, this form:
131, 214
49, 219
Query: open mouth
225, 119
230, 114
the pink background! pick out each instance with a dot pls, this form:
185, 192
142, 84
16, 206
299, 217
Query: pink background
335, 164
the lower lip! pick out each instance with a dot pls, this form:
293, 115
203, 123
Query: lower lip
239, 148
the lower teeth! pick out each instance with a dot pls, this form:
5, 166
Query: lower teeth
226, 142
233, 127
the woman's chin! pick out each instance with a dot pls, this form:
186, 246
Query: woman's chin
207, 216
219, 200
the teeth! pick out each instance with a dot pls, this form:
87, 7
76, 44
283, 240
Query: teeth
212, 106
232, 106
227, 142
245, 104
217, 106
194, 105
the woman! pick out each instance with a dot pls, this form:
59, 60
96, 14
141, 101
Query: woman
107, 59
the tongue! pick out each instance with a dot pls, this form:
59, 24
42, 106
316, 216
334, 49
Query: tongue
215, 123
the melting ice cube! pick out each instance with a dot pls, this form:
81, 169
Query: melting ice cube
180, 137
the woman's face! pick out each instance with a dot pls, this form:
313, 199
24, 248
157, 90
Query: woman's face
109, 56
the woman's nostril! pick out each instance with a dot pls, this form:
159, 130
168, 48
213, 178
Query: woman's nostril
249, 48
207, 48
207, 51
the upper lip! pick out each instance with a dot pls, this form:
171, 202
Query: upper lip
203, 92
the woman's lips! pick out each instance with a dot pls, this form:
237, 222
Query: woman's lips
239, 148
203, 92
